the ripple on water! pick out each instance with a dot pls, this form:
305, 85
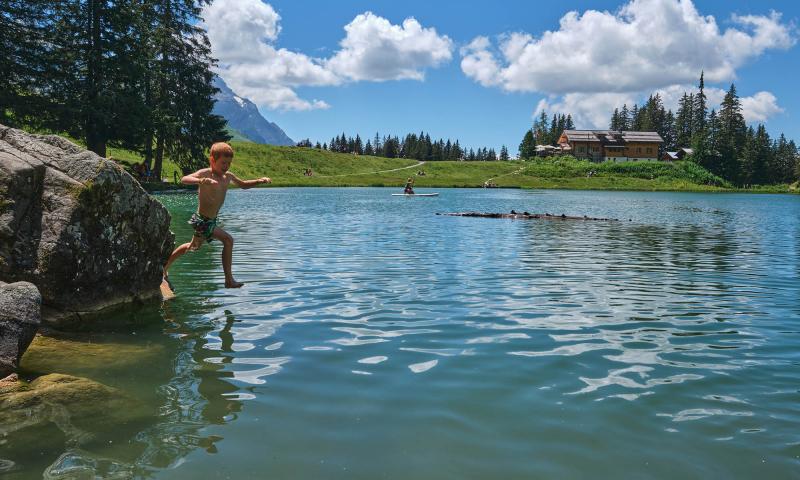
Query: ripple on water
363, 315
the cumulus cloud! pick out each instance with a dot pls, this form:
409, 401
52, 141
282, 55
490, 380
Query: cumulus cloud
376, 50
243, 34
645, 46
588, 110
759, 107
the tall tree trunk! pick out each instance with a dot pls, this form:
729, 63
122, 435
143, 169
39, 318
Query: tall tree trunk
148, 136
159, 155
94, 129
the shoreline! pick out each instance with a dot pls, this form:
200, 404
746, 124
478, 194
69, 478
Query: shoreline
170, 188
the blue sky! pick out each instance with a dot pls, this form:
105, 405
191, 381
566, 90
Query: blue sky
480, 71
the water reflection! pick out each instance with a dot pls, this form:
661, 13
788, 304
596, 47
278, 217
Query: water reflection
197, 395
365, 322
182, 386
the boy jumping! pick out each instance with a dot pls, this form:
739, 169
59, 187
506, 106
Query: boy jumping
212, 185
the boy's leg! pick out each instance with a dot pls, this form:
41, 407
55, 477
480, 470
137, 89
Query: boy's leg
227, 256
182, 249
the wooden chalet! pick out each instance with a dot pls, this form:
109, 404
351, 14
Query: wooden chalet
611, 145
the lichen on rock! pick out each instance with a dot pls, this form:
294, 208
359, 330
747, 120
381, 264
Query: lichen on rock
77, 226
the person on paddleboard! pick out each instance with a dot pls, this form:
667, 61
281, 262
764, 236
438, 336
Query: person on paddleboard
409, 190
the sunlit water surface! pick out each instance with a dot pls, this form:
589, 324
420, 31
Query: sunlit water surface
375, 339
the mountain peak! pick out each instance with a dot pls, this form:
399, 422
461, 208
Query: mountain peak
243, 116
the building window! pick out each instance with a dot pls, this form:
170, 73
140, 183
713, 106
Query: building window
649, 150
638, 149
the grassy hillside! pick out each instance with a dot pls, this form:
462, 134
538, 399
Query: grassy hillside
286, 166
236, 135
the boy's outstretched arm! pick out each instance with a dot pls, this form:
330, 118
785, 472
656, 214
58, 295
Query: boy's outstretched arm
249, 183
198, 178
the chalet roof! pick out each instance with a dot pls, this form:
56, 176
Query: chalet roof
581, 136
642, 137
612, 138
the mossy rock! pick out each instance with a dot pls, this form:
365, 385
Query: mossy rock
71, 355
79, 407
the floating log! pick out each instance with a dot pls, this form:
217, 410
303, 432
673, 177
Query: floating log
526, 216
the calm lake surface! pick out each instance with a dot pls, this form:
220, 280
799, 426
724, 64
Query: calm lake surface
375, 339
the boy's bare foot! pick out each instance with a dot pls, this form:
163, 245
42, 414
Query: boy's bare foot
233, 284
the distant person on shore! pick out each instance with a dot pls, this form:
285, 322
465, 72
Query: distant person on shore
212, 185
409, 190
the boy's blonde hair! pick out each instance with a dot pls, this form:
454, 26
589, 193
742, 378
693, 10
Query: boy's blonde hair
220, 149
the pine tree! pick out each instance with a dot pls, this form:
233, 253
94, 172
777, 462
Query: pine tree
377, 146
614, 123
359, 147
458, 153
669, 135
784, 158
503, 153
24, 65
683, 122
755, 157
568, 125
732, 133
181, 84
795, 160
748, 158
368, 149
527, 148
635, 118
699, 109
624, 118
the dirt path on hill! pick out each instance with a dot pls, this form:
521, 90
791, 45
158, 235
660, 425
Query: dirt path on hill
515, 172
370, 173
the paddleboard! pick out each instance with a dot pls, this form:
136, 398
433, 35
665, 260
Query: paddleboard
415, 194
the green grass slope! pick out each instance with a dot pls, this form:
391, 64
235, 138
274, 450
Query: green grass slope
285, 165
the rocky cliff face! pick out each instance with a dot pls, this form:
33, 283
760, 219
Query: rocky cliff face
77, 226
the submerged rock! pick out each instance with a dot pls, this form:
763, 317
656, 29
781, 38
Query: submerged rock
77, 406
77, 226
20, 315
48, 354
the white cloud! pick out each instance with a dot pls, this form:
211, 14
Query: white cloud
593, 110
478, 63
760, 107
376, 50
588, 110
243, 35
646, 45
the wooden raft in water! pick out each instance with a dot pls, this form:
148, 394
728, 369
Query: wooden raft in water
525, 216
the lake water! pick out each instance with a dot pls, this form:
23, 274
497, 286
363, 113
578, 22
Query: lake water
375, 339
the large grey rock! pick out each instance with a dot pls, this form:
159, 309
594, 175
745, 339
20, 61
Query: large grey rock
20, 316
77, 226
